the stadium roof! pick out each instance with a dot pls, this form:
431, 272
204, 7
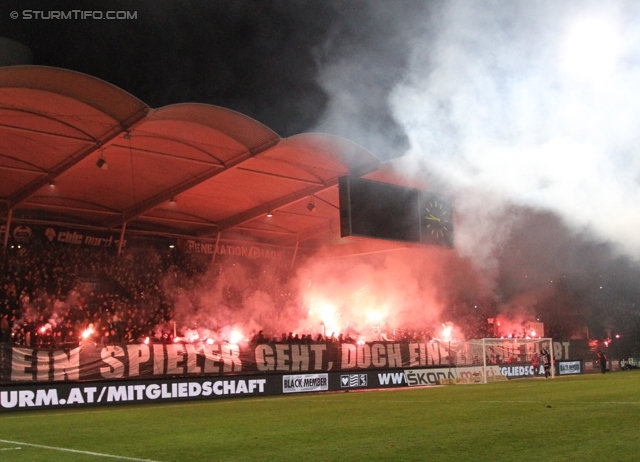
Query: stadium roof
77, 151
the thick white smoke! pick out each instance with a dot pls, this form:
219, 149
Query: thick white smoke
537, 103
527, 113
524, 112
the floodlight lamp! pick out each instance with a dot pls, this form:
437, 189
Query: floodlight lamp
311, 207
269, 214
102, 164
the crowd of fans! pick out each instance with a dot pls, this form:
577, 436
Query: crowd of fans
50, 295
56, 296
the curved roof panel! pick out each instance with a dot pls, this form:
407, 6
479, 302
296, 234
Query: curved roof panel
77, 151
233, 125
80, 88
340, 151
50, 119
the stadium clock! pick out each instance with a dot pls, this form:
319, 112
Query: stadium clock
437, 220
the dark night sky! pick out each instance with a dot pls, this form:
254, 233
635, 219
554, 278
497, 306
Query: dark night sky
260, 58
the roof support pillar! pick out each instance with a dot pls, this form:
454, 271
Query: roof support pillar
215, 250
295, 254
6, 231
121, 241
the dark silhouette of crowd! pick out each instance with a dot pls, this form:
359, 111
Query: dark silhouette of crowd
51, 294
60, 296
304, 339
54, 295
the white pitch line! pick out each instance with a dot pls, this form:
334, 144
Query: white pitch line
9, 449
76, 451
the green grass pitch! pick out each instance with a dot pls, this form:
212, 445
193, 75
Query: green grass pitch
580, 418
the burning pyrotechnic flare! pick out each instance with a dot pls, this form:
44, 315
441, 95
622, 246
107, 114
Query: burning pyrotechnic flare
327, 315
87, 332
191, 336
235, 336
374, 316
446, 332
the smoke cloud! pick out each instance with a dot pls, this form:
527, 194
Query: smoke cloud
526, 113
536, 103
495, 101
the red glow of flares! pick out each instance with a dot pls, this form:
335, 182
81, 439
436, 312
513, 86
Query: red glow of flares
519, 328
327, 315
446, 332
375, 316
235, 336
450, 333
380, 297
370, 298
87, 332
191, 336
360, 316
230, 334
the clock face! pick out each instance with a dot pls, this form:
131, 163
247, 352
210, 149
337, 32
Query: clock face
437, 220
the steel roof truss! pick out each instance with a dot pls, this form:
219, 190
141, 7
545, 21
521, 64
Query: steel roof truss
148, 204
26, 191
262, 209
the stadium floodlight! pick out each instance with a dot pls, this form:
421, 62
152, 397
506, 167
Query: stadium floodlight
102, 164
311, 207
